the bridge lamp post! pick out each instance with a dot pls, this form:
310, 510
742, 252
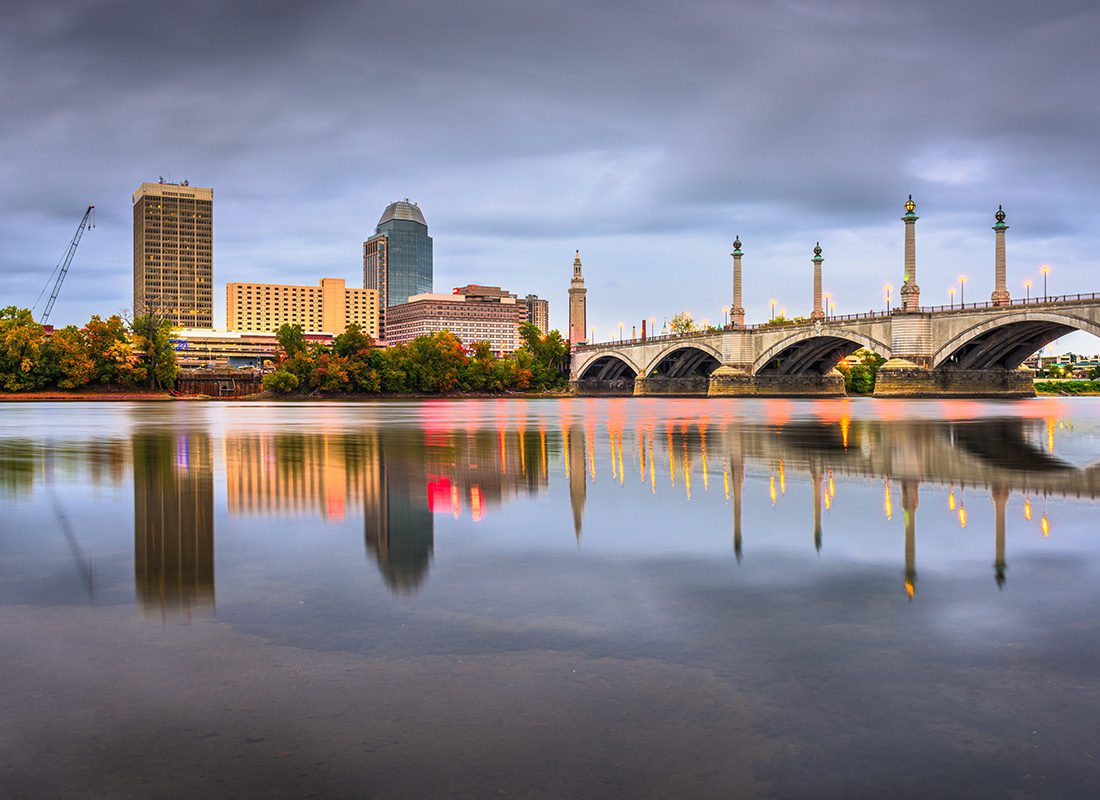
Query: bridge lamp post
620, 332
772, 301
725, 316
828, 296
1027, 288
951, 293
1046, 271
888, 289
962, 291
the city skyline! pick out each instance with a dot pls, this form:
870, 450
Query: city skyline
545, 166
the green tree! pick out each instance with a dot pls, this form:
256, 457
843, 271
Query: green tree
292, 339
66, 354
480, 373
280, 381
21, 351
682, 323
435, 363
152, 340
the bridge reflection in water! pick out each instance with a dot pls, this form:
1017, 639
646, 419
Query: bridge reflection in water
402, 480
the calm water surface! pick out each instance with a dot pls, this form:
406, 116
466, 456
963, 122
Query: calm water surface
574, 598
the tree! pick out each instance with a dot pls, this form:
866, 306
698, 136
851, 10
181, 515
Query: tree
280, 381
108, 345
21, 357
682, 323
152, 339
292, 339
548, 364
69, 364
480, 373
435, 362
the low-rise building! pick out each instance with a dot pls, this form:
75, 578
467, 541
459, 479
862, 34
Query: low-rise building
329, 307
472, 313
204, 348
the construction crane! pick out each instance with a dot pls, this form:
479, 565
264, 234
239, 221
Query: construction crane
62, 268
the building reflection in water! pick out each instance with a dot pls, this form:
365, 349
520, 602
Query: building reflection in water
173, 522
401, 477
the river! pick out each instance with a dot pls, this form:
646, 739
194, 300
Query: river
644, 598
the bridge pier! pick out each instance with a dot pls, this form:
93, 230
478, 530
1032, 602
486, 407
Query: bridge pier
728, 382
614, 387
664, 386
897, 378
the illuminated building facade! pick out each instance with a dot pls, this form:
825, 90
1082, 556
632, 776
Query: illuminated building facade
329, 307
173, 253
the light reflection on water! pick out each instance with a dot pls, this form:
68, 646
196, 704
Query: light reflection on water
677, 532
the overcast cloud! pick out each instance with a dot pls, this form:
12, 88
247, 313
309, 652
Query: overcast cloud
645, 134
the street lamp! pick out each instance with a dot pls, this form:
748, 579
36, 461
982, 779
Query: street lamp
827, 296
1027, 287
888, 289
593, 335
620, 332
773, 307
725, 315
1046, 270
951, 292
962, 291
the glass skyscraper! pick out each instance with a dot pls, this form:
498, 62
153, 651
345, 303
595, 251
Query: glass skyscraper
397, 260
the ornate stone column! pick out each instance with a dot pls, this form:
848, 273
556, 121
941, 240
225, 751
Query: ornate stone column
737, 310
1000, 295
910, 292
818, 312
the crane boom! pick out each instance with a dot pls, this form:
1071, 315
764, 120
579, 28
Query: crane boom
88, 220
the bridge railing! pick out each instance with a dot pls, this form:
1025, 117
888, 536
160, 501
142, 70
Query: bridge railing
1026, 301
833, 318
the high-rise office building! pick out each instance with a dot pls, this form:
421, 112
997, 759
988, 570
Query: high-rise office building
538, 313
174, 253
397, 260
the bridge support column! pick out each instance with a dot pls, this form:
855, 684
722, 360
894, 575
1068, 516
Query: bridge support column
902, 380
730, 381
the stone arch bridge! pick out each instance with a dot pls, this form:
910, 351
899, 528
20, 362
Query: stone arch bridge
971, 351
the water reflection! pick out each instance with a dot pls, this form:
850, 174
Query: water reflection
173, 522
402, 478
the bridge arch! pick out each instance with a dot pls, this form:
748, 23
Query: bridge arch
1007, 339
811, 350
609, 366
684, 360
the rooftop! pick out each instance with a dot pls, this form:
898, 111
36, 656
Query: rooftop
403, 209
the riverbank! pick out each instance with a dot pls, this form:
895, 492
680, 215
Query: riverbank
1067, 388
83, 395
157, 396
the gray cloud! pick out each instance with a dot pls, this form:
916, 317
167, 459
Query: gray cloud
645, 135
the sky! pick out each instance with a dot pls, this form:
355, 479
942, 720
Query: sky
647, 135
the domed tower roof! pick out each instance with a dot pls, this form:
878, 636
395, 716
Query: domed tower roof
403, 209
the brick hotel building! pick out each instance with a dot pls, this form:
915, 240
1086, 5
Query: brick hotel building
472, 313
